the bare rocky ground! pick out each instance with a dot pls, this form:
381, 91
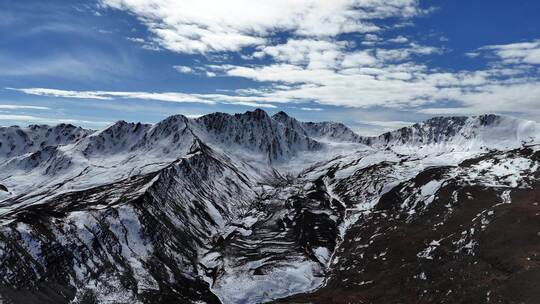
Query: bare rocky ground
472, 244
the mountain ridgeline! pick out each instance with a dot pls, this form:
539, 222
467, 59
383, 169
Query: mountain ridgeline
252, 208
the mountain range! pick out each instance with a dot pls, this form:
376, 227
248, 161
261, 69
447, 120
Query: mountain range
253, 208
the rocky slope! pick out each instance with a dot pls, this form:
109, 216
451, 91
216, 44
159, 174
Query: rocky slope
249, 208
15, 141
329, 131
451, 234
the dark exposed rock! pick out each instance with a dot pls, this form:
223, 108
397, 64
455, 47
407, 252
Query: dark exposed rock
469, 245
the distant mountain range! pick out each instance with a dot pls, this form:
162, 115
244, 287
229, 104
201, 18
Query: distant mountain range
252, 208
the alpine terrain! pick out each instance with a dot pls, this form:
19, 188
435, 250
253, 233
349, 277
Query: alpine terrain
252, 208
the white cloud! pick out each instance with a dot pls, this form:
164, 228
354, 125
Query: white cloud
313, 62
136, 39
320, 71
62, 93
22, 107
147, 45
316, 53
358, 58
523, 52
176, 97
72, 65
311, 109
472, 54
399, 39
371, 40
183, 69
48, 120
393, 124
378, 127
394, 82
202, 26
402, 54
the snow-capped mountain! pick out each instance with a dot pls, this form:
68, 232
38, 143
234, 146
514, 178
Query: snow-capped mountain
15, 141
461, 133
249, 208
127, 149
256, 132
326, 131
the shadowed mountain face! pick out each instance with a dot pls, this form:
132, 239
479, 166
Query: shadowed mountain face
249, 208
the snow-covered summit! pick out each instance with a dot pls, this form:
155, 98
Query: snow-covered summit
461, 133
275, 138
324, 131
39, 156
252, 131
15, 141
257, 132
118, 137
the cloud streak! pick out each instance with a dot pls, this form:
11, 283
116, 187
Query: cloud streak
48, 120
22, 107
175, 97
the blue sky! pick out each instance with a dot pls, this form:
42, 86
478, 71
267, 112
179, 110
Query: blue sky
374, 65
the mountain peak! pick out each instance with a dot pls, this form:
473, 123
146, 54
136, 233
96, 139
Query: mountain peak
257, 114
281, 115
489, 119
16, 141
255, 131
197, 146
484, 119
489, 131
174, 118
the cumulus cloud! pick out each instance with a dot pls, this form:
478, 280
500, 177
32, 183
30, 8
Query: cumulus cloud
295, 52
324, 72
358, 58
523, 52
366, 79
313, 52
301, 73
201, 26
